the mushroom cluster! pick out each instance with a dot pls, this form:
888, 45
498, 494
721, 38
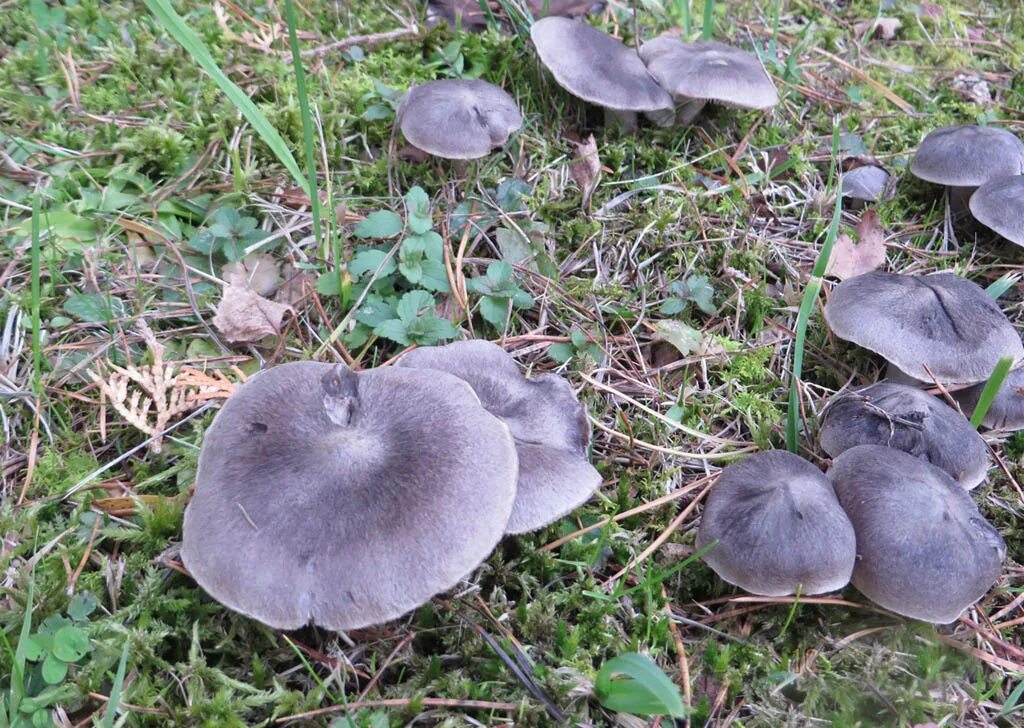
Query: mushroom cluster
981, 169
343, 499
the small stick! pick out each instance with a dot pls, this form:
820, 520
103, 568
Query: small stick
368, 40
403, 702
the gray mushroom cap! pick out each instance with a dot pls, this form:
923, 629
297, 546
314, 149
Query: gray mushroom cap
908, 419
923, 550
547, 421
458, 118
596, 67
341, 499
941, 321
710, 71
968, 156
779, 527
866, 183
999, 206
1007, 409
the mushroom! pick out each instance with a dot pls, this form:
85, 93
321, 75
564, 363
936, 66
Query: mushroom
939, 322
864, 185
547, 421
458, 118
1006, 411
999, 206
341, 499
778, 527
908, 419
695, 73
597, 68
923, 550
963, 157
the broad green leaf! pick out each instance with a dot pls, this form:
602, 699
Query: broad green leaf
393, 329
36, 646
701, 293
430, 329
368, 260
682, 336
632, 683
94, 307
328, 284
377, 112
380, 224
70, 644
412, 270
81, 606
375, 310
412, 303
179, 29
54, 669
561, 352
417, 205
435, 276
495, 311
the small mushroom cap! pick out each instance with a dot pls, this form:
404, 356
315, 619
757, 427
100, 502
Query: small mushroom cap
595, 67
941, 321
908, 419
346, 499
1007, 409
458, 118
779, 527
711, 71
923, 550
474, 19
865, 183
968, 156
999, 205
549, 425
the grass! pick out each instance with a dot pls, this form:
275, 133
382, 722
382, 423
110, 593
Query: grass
132, 150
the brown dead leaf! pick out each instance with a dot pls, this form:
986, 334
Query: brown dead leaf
973, 87
586, 167
851, 259
245, 316
258, 271
884, 28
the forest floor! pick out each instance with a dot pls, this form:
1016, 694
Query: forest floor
668, 298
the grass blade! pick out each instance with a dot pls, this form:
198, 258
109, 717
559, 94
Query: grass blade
807, 303
988, 394
709, 20
997, 288
110, 714
37, 352
175, 25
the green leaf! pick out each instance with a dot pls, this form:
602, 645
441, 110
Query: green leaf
701, 293
417, 205
380, 224
375, 310
499, 272
37, 646
430, 243
70, 644
377, 112
673, 307
94, 307
430, 329
632, 683
81, 606
115, 691
54, 669
368, 260
561, 352
495, 311
176, 26
435, 276
412, 303
328, 284
991, 389
682, 336
393, 329
412, 270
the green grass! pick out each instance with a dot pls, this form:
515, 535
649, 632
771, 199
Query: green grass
132, 163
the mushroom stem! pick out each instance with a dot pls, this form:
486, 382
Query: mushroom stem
958, 198
662, 117
688, 109
625, 120
341, 394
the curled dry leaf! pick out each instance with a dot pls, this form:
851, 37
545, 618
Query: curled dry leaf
884, 28
245, 316
258, 271
851, 259
585, 169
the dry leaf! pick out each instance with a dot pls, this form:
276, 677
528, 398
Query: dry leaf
258, 271
586, 168
973, 87
884, 28
149, 397
245, 316
851, 259
298, 284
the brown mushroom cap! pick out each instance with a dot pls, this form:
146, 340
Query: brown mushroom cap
941, 321
596, 67
711, 71
1007, 409
547, 421
999, 205
779, 527
968, 156
908, 419
346, 499
458, 118
923, 550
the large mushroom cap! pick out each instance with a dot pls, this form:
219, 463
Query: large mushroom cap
711, 71
548, 423
458, 118
999, 205
908, 419
346, 499
923, 550
1007, 409
595, 67
968, 156
779, 527
941, 321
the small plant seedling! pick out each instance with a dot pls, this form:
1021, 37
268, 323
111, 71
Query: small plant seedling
578, 348
696, 289
416, 322
228, 235
500, 294
632, 683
